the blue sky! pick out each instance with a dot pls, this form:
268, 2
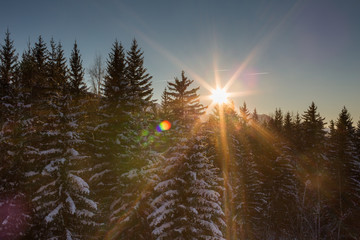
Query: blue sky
278, 53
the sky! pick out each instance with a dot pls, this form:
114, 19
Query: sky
270, 54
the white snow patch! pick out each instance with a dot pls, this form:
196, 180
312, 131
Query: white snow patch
30, 174
68, 235
131, 174
72, 206
53, 213
82, 185
5, 221
73, 152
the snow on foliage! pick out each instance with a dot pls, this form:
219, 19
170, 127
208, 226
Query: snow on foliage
50, 217
80, 183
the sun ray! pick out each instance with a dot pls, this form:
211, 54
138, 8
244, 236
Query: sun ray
175, 61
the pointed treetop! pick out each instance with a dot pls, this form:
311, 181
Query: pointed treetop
140, 91
185, 102
244, 113
8, 64
255, 116
116, 84
77, 84
344, 122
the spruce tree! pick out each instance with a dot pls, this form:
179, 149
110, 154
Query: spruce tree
116, 87
170, 204
288, 127
255, 116
140, 91
111, 136
124, 145
344, 172
41, 87
8, 65
188, 204
57, 69
226, 122
247, 185
312, 166
13, 203
244, 115
184, 103
165, 105
76, 73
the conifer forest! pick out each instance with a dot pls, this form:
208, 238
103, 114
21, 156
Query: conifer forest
82, 164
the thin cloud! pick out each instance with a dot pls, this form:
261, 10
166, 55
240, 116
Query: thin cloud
258, 73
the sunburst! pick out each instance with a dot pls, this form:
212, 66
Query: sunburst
219, 96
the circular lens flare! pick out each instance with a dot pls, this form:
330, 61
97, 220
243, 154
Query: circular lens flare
219, 96
163, 126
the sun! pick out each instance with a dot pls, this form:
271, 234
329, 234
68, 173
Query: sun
219, 96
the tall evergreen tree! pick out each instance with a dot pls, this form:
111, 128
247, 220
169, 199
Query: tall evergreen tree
171, 203
165, 105
140, 90
188, 204
225, 122
255, 116
40, 84
8, 65
344, 172
288, 126
112, 138
57, 68
244, 115
247, 185
312, 174
14, 216
184, 102
77, 84
117, 87
63, 208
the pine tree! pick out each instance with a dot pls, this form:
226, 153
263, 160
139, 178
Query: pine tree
55, 157
165, 105
140, 91
184, 103
246, 188
188, 204
63, 208
57, 69
296, 138
39, 81
77, 84
312, 170
124, 150
225, 122
112, 138
344, 172
255, 116
282, 204
170, 202
244, 115
276, 123
13, 203
117, 87
8, 65
288, 127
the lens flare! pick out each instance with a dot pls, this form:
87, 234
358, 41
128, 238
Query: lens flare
163, 126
